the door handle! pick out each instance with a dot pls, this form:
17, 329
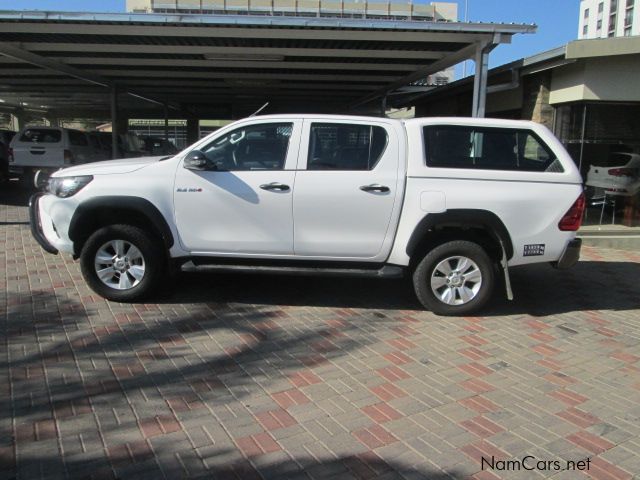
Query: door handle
279, 187
374, 187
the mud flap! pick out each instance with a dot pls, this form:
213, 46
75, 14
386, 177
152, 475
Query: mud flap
505, 270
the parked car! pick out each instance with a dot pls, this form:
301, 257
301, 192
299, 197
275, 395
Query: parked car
159, 146
447, 201
47, 149
5, 140
101, 151
617, 174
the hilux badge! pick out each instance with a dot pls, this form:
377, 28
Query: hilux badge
188, 190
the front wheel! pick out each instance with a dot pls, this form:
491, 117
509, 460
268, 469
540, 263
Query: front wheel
455, 278
122, 263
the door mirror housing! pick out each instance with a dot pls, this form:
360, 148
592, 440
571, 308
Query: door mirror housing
196, 160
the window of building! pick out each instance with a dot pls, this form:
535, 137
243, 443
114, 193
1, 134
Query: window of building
627, 31
254, 147
599, 25
586, 13
585, 30
605, 135
628, 18
612, 25
487, 149
339, 146
613, 7
601, 7
630, 3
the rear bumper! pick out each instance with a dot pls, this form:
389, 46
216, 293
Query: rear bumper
36, 224
571, 255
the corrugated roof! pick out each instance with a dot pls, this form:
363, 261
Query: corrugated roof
203, 64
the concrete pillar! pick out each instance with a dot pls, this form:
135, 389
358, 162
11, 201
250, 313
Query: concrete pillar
536, 90
193, 130
19, 119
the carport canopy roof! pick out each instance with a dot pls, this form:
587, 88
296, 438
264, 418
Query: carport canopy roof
222, 66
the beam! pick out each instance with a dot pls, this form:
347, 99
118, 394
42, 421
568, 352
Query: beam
457, 57
10, 50
13, 52
344, 34
201, 50
259, 64
168, 74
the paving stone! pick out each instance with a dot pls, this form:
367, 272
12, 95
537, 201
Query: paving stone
80, 373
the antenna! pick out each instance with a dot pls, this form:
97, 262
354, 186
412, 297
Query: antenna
259, 110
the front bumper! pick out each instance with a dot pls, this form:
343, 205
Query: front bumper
36, 224
571, 255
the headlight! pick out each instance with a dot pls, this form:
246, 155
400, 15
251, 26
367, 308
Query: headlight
64, 187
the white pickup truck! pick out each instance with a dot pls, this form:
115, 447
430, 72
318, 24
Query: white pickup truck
451, 202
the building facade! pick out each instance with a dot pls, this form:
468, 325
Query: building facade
609, 18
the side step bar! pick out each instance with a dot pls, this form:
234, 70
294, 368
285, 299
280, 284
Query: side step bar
387, 271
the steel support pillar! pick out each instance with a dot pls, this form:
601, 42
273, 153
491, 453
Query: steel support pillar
166, 122
480, 79
114, 121
193, 130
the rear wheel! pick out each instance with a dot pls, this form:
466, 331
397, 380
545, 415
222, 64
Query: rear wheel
455, 278
122, 263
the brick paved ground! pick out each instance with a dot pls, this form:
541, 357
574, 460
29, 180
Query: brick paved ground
271, 377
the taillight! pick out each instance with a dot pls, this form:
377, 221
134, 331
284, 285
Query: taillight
621, 172
68, 157
11, 158
573, 218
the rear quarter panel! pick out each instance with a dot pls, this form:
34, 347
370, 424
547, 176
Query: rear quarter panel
530, 204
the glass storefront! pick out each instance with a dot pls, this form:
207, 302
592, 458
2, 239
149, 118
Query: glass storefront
604, 141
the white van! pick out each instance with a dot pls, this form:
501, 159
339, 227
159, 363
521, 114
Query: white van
49, 149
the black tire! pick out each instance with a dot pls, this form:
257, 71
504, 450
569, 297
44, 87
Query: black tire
152, 254
423, 273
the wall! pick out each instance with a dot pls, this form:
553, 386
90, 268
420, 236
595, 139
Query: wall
598, 78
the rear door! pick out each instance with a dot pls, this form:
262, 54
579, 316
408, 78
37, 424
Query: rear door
39, 147
347, 189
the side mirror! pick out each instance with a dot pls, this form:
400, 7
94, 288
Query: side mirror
196, 160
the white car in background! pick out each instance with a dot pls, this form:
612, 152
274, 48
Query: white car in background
619, 174
47, 149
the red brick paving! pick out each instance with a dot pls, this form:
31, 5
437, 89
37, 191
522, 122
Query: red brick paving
237, 377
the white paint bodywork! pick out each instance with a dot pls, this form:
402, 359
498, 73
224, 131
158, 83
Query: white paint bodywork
325, 215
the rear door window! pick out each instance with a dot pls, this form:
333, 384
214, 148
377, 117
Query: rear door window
481, 148
339, 146
41, 135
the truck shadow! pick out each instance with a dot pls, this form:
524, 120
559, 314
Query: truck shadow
539, 290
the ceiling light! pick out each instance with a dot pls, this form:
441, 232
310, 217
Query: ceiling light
239, 57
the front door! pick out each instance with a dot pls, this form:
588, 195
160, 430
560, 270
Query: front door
346, 189
241, 204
